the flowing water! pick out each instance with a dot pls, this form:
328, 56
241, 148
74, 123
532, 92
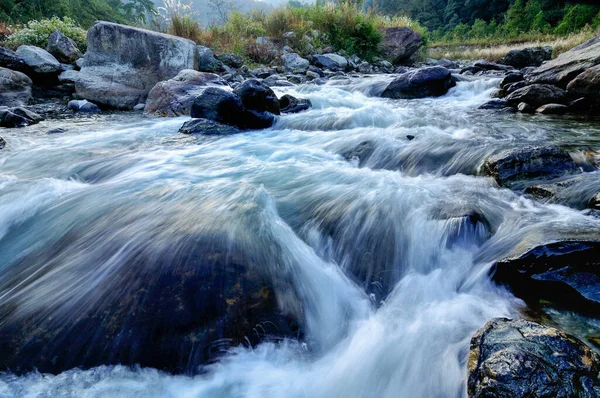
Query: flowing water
385, 260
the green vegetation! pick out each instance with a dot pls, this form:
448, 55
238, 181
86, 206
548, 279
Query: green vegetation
36, 33
83, 12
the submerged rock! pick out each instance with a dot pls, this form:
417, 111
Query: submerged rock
290, 104
15, 88
426, 82
567, 273
207, 127
400, 45
519, 358
2, 143
123, 64
174, 97
528, 163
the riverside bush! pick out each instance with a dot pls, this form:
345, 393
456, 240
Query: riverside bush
36, 33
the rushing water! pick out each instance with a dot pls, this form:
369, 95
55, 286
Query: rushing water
377, 255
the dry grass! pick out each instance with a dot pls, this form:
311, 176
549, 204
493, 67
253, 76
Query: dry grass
495, 51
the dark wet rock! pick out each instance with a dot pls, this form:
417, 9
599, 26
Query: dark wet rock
174, 97
568, 65
15, 88
400, 45
362, 152
2, 143
174, 306
257, 97
83, 106
471, 70
207, 127
410, 137
552, 109
206, 60
528, 163
519, 358
542, 192
27, 114
533, 56
511, 88
491, 66
587, 84
9, 119
63, 48
537, 95
426, 82
225, 107
510, 78
594, 202
290, 104
564, 273
39, 60
524, 107
231, 60
494, 104
11, 60
57, 130
333, 62
123, 63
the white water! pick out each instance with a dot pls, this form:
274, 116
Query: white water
395, 225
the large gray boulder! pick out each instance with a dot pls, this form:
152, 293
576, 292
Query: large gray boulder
529, 163
11, 60
568, 65
63, 48
293, 61
587, 84
39, 60
15, 88
174, 97
400, 45
123, 64
533, 56
206, 60
537, 95
426, 82
519, 358
333, 62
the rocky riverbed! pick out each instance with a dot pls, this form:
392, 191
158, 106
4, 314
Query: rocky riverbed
322, 227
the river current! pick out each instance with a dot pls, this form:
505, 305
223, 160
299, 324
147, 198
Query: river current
387, 257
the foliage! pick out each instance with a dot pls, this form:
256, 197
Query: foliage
83, 12
36, 33
185, 26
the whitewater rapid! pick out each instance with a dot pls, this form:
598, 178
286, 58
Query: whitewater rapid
386, 260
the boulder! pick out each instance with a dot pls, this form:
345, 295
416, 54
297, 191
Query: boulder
174, 97
533, 56
537, 95
33, 118
552, 109
2, 143
18, 117
330, 61
400, 45
63, 48
486, 65
528, 163
594, 202
494, 104
365, 67
15, 88
519, 358
83, 106
586, 84
257, 97
207, 127
290, 104
11, 60
206, 60
39, 60
524, 107
511, 88
565, 273
568, 65
426, 82
231, 60
123, 63
293, 61
225, 107
511, 78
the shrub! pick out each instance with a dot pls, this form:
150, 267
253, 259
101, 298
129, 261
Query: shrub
36, 33
185, 26
5, 31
